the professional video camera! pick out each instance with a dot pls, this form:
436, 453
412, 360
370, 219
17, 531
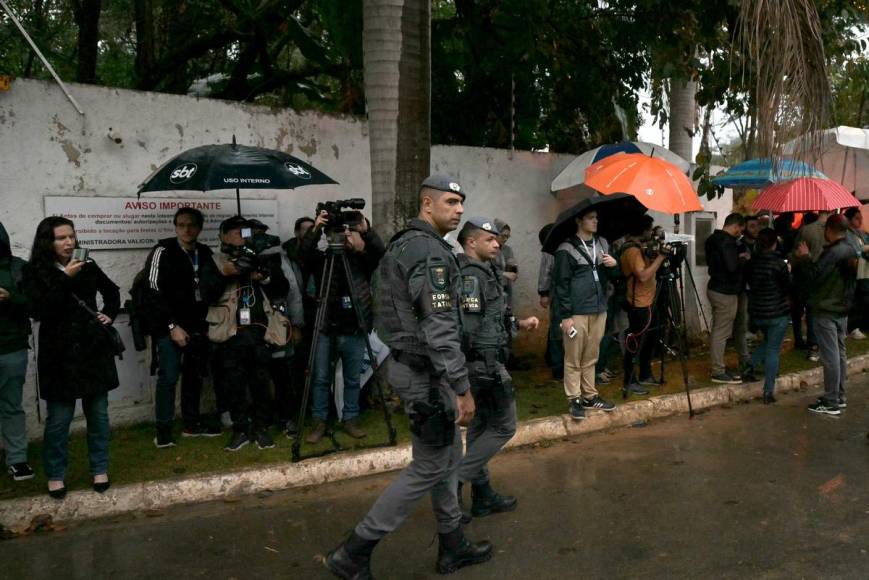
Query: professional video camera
675, 251
247, 257
338, 218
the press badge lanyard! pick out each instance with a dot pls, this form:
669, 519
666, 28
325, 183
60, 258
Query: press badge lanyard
194, 261
593, 257
246, 301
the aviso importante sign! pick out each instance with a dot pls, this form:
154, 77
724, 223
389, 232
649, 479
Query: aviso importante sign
122, 223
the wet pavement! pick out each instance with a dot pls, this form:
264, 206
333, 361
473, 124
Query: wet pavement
742, 492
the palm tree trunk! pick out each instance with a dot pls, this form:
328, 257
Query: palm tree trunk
397, 50
682, 117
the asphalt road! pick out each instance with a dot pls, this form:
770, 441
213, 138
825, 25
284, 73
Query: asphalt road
743, 492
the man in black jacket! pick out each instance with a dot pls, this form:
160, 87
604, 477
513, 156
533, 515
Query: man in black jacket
726, 283
340, 332
177, 323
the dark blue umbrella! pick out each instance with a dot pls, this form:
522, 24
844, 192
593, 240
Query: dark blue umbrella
232, 166
763, 172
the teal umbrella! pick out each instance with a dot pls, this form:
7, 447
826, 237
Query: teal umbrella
763, 172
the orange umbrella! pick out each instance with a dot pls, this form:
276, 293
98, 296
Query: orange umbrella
657, 184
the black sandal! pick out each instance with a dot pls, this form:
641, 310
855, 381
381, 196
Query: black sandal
59, 493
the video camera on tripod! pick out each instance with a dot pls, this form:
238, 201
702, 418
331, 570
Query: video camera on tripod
674, 252
247, 257
339, 219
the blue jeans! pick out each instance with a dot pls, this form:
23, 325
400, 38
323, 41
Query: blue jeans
351, 349
13, 369
172, 362
774, 330
55, 450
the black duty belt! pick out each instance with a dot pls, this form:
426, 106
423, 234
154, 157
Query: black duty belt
415, 361
495, 354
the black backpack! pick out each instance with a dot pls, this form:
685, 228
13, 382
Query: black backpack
141, 306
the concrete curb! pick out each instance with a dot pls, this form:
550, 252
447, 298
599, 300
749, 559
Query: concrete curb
17, 514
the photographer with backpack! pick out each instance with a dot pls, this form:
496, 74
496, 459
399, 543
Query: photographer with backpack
175, 319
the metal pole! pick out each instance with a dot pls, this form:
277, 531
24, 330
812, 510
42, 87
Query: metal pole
41, 57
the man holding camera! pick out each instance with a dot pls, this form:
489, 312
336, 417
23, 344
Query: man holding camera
341, 335
579, 284
177, 324
640, 262
418, 297
243, 321
485, 327
726, 259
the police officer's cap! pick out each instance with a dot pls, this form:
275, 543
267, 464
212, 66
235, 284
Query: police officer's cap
481, 223
443, 183
233, 223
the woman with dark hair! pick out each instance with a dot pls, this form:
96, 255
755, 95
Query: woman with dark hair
769, 285
75, 358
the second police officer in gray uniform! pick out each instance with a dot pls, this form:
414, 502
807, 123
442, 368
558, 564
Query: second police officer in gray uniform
486, 325
418, 295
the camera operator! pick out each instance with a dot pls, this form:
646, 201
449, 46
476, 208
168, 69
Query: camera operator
340, 334
176, 320
243, 322
640, 260
726, 260
486, 325
280, 366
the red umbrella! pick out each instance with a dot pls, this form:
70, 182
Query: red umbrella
805, 194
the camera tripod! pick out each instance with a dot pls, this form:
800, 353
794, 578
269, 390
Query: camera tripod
335, 252
669, 306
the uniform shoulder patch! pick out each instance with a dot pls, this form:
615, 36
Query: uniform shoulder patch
471, 301
439, 274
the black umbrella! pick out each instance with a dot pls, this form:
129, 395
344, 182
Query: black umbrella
613, 213
232, 166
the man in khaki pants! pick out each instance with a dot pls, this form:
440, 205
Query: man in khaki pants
579, 286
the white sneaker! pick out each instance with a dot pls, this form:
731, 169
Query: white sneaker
857, 335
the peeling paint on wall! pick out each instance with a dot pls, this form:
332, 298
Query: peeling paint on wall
72, 154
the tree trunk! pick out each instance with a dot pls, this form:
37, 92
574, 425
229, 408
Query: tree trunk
682, 117
397, 50
87, 17
146, 56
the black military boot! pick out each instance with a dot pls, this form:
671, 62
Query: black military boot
455, 551
487, 501
352, 559
466, 515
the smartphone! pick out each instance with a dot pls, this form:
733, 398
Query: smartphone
246, 233
80, 254
572, 333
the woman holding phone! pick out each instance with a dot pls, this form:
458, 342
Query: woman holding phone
75, 357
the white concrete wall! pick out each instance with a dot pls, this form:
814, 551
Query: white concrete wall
512, 186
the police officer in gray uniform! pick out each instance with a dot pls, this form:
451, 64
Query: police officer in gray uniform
418, 297
487, 323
